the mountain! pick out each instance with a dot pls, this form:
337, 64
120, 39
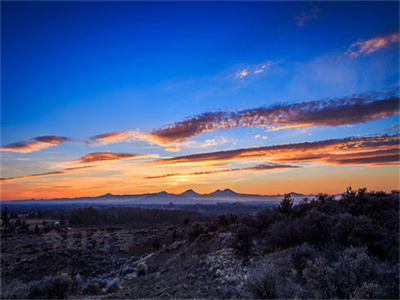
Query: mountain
224, 193
190, 193
293, 194
163, 197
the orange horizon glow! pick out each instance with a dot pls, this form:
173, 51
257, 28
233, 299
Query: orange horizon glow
320, 179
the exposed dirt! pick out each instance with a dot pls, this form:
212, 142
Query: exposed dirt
159, 262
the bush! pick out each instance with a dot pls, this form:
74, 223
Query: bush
195, 232
52, 287
16, 290
300, 255
263, 286
94, 288
366, 291
319, 276
242, 242
156, 243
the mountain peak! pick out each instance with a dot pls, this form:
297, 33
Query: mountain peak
107, 195
189, 192
225, 192
162, 193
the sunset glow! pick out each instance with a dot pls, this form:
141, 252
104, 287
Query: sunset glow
262, 98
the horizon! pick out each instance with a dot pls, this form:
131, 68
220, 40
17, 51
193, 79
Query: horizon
261, 98
159, 192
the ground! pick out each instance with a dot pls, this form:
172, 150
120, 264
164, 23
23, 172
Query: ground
126, 263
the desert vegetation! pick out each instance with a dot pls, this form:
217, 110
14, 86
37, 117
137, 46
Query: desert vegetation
324, 247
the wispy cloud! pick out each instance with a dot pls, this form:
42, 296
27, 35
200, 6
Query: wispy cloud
259, 167
252, 70
173, 149
35, 144
257, 136
124, 136
366, 47
333, 112
307, 14
379, 150
53, 173
109, 156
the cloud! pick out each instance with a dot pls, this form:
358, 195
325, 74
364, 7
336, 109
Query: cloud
241, 74
260, 167
252, 70
62, 172
214, 142
109, 156
115, 137
380, 160
379, 150
374, 158
173, 149
367, 47
306, 15
259, 136
35, 144
124, 136
332, 112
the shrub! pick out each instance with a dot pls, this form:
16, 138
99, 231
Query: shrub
263, 285
352, 269
195, 232
16, 290
242, 242
319, 278
300, 255
94, 288
51, 287
366, 291
283, 234
156, 243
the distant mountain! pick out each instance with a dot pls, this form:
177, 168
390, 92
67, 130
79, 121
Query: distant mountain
190, 193
225, 193
293, 194
163, 197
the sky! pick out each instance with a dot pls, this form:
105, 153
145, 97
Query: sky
259, 97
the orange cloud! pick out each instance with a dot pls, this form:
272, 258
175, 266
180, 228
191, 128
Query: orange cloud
173, 149
126, 135
35, 144
63, 172
241, 74
369, 46
333, 112
380, 150
251, 70
260, 167
108, 156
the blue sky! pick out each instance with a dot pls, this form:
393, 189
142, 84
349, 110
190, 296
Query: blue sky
80, 69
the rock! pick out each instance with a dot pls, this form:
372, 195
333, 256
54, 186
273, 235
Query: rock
126, 269
130, 276
112, 285
175, 245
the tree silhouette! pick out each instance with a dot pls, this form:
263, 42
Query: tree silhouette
286, 204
